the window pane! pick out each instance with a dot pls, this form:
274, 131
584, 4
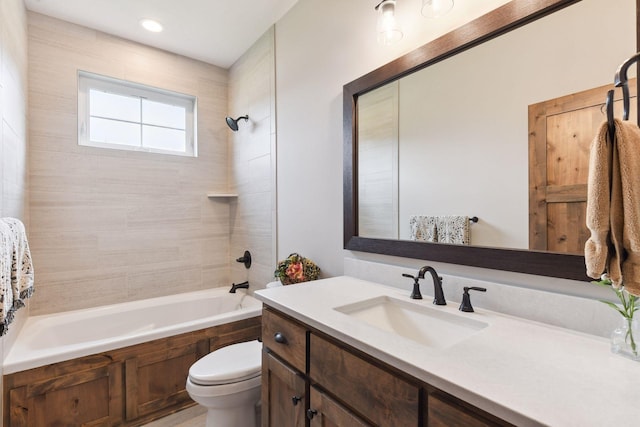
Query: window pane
110, 105
160, 114
164, 139
114, 132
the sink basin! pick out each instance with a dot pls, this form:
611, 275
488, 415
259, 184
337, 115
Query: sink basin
423, 324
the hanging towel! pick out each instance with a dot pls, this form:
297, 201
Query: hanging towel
613, 207
16, 270
423, 228
453, 229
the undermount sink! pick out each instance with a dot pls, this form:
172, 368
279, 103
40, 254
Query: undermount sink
429, 326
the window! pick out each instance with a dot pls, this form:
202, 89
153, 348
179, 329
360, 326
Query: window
129, 116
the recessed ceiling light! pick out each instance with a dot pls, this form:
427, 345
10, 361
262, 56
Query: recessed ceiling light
151, 25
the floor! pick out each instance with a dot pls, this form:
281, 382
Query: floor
191, 417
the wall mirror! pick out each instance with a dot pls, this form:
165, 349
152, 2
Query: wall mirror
446, 130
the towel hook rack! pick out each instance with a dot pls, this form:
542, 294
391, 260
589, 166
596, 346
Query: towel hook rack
473, 219
610, 124
622, 81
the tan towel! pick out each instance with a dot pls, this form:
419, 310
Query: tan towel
613, 207
423, 228
453, 229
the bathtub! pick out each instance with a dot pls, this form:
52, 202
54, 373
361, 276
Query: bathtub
53, 338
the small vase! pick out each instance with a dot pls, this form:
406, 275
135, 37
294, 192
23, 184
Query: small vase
625, 339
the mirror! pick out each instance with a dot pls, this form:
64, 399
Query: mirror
434, 98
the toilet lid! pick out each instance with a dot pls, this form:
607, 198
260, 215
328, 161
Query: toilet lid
230, 364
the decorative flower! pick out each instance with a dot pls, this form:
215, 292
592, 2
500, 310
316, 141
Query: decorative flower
628, 306
295, 272
296, 269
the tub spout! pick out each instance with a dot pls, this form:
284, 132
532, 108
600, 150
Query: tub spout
234, 287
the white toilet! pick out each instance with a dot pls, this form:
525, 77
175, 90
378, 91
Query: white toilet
227, 383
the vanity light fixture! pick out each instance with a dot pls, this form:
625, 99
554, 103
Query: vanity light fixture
436, 8
151, 25
388, 30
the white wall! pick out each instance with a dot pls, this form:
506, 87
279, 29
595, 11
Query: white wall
320, 46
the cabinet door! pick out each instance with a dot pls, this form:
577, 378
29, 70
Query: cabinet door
284, 400
156, 381
326, 412
560, 135
89, 397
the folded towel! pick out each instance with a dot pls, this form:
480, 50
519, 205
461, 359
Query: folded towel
423, 228
453, 229
16, 270
613, 207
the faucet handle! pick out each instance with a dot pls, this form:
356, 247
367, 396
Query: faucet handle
465, 305
415, 293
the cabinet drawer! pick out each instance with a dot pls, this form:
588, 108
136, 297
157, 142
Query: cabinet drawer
375, 393
285, 338
445, 411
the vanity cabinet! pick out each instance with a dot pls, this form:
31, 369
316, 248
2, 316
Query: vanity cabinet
306, 372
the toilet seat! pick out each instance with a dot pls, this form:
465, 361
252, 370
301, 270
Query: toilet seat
227, 365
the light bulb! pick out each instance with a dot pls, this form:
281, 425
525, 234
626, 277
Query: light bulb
388, 30
436, 8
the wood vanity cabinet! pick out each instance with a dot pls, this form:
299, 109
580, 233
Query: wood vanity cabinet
311, 379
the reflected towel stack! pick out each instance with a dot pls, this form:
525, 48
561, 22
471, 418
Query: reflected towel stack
452, 229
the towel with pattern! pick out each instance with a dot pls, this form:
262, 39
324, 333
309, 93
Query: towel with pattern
423, 228
453, 229
16, 270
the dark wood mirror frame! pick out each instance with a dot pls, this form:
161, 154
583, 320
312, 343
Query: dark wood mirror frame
500, 21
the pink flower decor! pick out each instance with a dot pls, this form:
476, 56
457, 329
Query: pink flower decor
296, 269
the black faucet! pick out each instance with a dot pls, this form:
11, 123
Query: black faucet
234, 287
415, 293
437, 284
465, 305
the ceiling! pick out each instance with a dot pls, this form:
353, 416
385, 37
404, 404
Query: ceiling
214, 31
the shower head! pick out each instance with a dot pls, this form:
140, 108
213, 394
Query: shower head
233, 123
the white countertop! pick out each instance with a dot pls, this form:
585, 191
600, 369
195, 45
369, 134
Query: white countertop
528, 373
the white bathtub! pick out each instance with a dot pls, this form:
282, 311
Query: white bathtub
63, 336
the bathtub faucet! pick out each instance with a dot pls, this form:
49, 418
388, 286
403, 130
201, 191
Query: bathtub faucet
234, 287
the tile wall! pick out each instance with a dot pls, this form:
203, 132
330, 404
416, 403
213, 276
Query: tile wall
252, 158
109, 226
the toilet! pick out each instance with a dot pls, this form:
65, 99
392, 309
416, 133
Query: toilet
227, 383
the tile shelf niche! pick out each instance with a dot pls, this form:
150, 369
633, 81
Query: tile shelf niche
217, 195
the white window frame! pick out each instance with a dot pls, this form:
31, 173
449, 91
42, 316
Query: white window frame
88, 81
